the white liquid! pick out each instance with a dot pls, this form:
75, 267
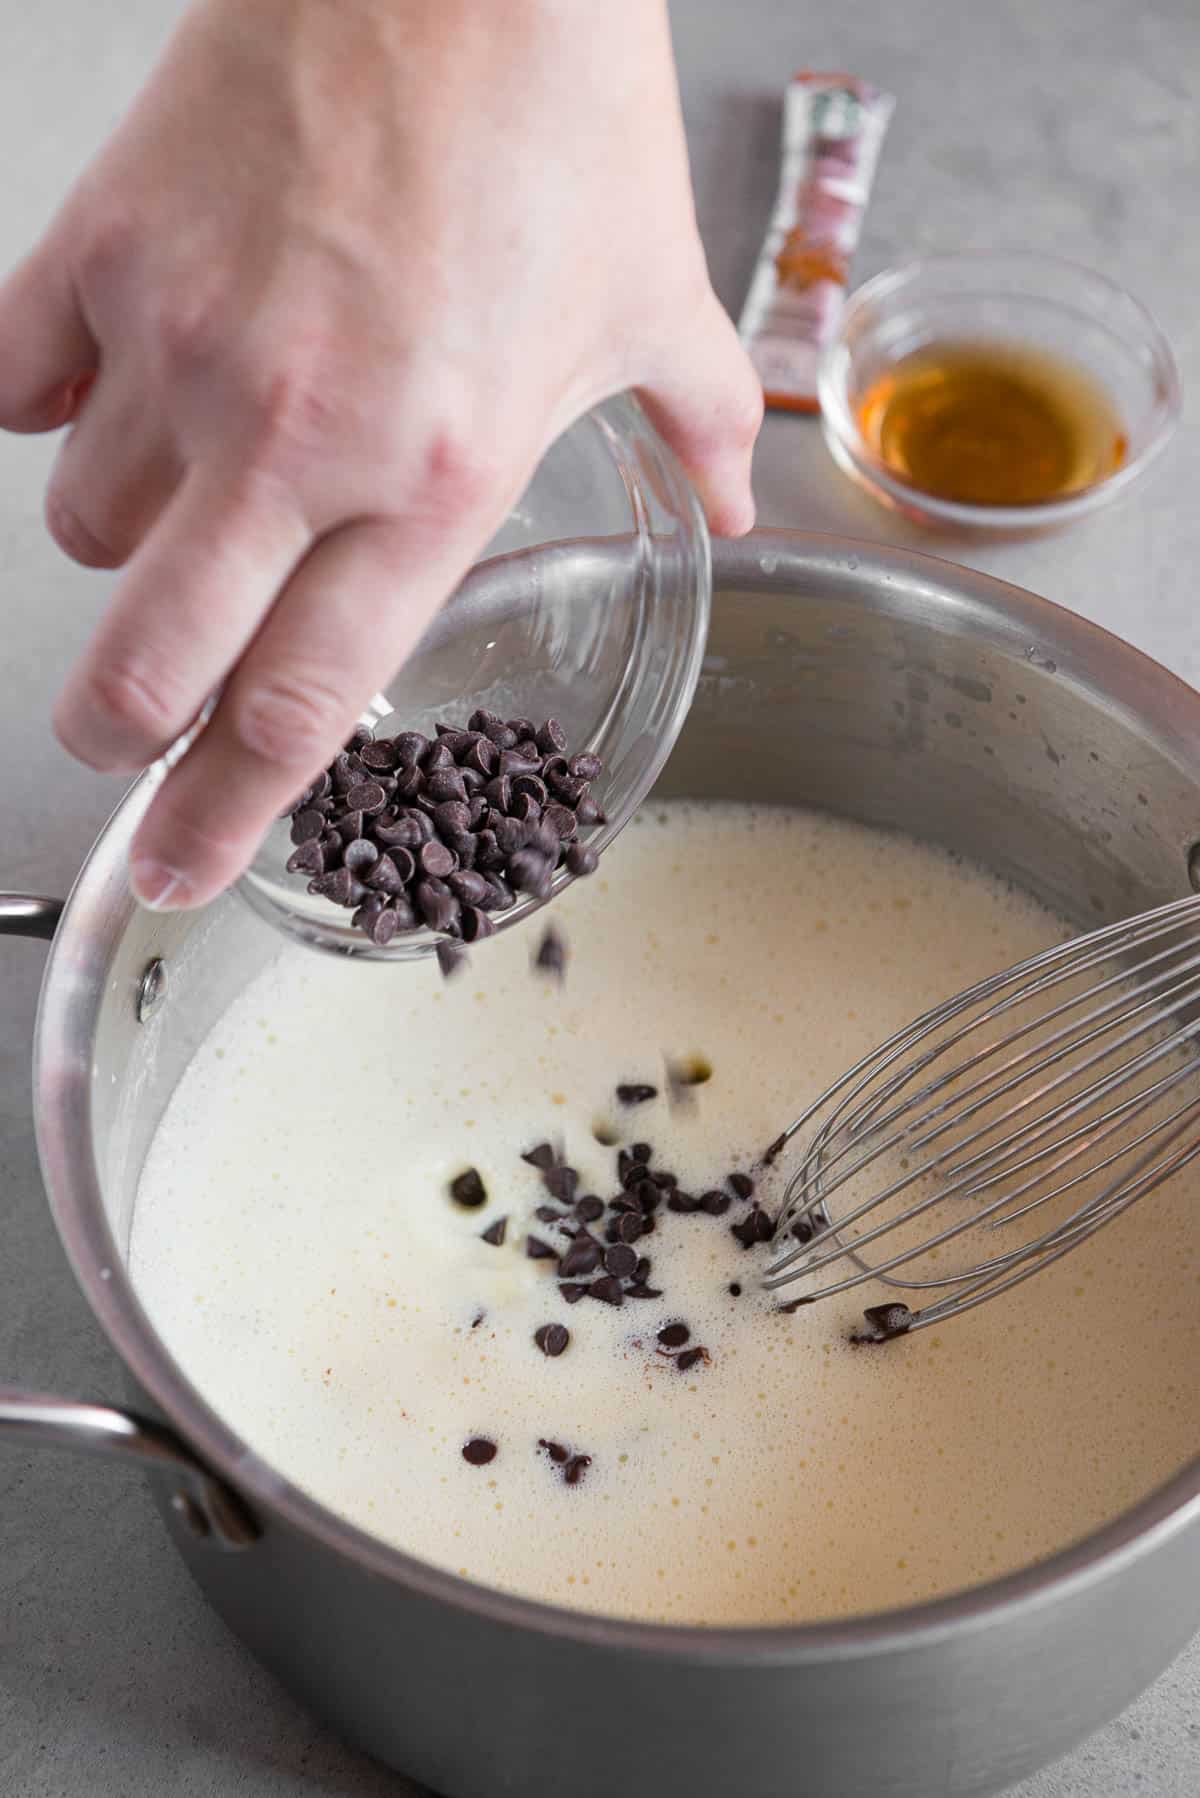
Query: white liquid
295, 1246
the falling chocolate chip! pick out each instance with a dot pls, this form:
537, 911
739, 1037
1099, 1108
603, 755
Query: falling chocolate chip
551, 956
479, 1451
735, 1289
775, 1150
690, 1358
575, 1469
452, 959
495, 1233
635, 1093
468, 1189
555, 1450
552, 1339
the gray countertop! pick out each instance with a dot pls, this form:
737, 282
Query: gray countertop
1070, 127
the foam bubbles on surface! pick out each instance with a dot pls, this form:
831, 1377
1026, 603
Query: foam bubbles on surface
295, 1246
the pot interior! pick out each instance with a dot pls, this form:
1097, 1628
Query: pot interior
894, 690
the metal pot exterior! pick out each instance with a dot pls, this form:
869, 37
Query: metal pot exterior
895, 689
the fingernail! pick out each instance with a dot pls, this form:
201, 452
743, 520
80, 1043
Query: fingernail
158, 887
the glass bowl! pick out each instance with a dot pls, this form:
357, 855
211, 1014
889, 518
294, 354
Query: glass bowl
1017, 301
591, 606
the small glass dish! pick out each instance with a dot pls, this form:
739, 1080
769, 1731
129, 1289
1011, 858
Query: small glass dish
591, 606
1010, 302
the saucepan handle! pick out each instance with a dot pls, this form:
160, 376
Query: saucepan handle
205, 1503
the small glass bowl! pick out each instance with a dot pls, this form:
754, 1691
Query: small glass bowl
591, 606
1017, 300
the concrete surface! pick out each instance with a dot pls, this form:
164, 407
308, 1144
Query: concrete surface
1070, 127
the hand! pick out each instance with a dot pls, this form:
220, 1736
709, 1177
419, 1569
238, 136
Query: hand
342, 275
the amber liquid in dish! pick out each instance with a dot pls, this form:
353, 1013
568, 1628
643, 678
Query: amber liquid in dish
991, 424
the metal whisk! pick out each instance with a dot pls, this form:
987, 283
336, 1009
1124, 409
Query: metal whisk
1013, 1122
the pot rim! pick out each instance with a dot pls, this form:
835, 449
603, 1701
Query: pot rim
1060, 642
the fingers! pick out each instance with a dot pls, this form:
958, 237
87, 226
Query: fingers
707, 403
192, 598
114, 475
45, 345
347, 619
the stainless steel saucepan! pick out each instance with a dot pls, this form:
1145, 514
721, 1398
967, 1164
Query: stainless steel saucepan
885, 686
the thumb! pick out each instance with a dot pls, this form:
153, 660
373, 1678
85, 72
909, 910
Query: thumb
706, 401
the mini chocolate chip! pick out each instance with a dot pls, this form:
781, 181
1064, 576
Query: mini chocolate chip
608, 1289
639, 1290
551, 956
548, 1214
444, 784
337, 887
537, 1250
475, 924
567, 788
495, 1233
390, 874
682, 1201
775, 1150
470, 887
552, 738
308, 859
575, 1469
452, 816
588, 812
479, 1451
586, 767
620, 1260
552, 1339
403, 833
715, 1203
409, 783
690, 1358
380, 756
528, 786
436, 759
803, 1230
561, 1183
642, 1270
526, 809
436, 905
555, 1450
629, 1228
410, 746
307, 826
735, 1289
589, 1208
572, 1291
382, 925
530, 872
674, 1336
888, 1320
368, 797
350, 827
648, 1194
468, 1189
482, 756
434, 858
543, 1156
741, 1185
641, 1151
561, 820
635, 1093
582, 1257
755, 1227
451, 959
512, 762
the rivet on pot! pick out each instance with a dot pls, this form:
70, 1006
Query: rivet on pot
1193, 867
190, 1514
152, 990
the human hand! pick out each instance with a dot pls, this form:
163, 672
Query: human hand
341, 276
